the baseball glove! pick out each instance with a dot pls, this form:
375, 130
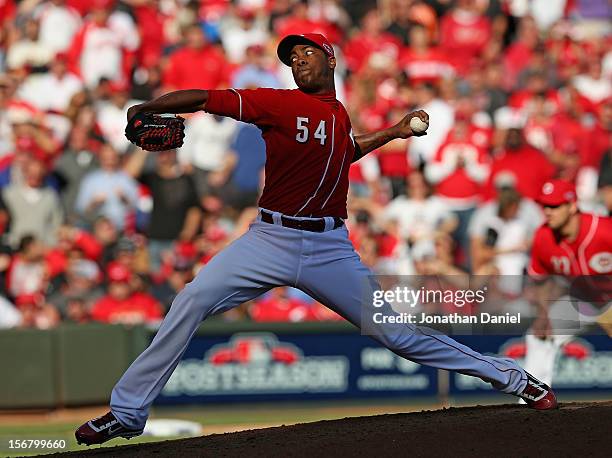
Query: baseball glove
154, 132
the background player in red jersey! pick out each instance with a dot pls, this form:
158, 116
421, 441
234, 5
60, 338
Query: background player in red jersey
575, 248
299, 239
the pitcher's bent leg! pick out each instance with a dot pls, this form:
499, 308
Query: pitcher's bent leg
234, 276
344, 282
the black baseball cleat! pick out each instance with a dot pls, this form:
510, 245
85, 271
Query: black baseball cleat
102, 429
538, 395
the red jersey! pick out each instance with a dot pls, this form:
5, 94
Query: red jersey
538, 133
460, 182
567, 133
393, 160
188, 68
529, 166
360, 47
274, 309
516, 57
150, 21
309, 146
523, 99
589, 254
430, 66
464, 37
138, 308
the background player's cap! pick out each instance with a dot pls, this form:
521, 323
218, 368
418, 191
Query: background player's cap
316, 39
557, 192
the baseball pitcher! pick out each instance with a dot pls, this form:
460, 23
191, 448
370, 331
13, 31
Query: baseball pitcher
298, 239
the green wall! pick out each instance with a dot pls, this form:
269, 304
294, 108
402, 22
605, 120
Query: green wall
79, 364
69, 365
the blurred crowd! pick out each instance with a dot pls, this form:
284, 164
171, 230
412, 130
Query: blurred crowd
93, 229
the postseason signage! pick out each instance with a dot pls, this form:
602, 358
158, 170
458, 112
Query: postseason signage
268, 367
265, 366
584, 364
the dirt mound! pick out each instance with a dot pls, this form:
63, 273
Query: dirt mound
575, 429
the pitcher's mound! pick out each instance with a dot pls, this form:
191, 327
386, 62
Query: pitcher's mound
508, 430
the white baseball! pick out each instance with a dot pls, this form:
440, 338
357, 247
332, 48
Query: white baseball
417, 125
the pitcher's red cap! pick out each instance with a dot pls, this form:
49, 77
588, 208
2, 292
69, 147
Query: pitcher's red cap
316, 39
557, 192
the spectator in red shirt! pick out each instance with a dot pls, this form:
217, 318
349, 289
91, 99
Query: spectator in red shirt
279, 306
568, 133
300, 22
213, 236
392, 158
197, 64
71, 241
464, 34
530, 167
592, 83
150, 22
371, 39
30, 133
518, 55
36, 312
536, 85
538, 129
459, 170
598, 140
122, 304
422, 62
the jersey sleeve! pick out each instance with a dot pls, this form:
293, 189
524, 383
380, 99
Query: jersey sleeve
536, 268
256, 106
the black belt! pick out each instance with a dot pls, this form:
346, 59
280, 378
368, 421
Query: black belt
311, 225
